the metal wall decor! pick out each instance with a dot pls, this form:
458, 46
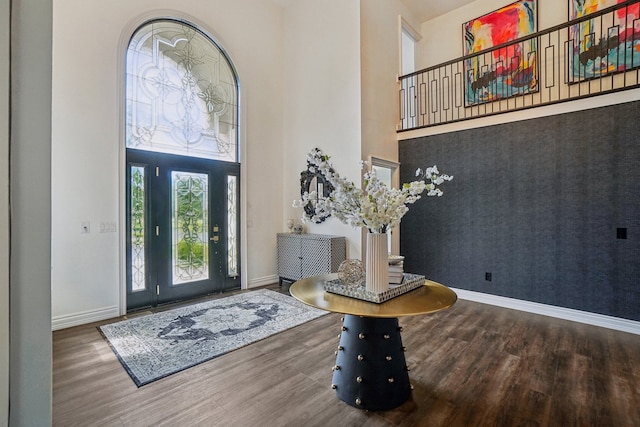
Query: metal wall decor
313, 180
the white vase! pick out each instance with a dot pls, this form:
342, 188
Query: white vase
377, 263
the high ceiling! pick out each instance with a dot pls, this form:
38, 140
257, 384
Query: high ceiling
427, 9
423, 9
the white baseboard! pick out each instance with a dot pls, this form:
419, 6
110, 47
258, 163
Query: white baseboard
263, 281
89, 316
616, 323
595, 319
84, 317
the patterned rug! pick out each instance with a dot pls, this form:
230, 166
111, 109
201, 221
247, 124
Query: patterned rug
160, 344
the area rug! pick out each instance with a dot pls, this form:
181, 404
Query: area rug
157, 345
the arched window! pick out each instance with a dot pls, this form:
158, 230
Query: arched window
182, 93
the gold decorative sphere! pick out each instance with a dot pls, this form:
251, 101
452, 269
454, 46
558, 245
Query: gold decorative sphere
351, 272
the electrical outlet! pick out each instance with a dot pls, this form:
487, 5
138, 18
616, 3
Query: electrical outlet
487, 276
85, 227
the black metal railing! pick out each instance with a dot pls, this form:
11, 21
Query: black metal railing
589, 56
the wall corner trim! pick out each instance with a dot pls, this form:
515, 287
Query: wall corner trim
610, 322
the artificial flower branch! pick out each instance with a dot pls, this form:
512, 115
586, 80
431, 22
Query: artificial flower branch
375, 206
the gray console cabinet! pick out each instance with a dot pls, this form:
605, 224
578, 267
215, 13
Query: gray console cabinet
305, 255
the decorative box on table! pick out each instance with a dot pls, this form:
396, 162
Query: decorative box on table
409, 282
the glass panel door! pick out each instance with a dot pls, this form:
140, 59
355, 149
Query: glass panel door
189, 227
182, 223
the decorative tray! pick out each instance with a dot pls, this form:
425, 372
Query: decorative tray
409, 282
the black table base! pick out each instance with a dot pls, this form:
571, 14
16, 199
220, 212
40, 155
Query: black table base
371, 371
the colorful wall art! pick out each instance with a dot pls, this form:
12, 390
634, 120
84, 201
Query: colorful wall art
507, 71
604, 44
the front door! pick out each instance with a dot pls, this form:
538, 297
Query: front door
182, 227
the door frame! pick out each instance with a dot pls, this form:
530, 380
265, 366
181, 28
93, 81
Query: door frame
125, 36
123, 231
160, 287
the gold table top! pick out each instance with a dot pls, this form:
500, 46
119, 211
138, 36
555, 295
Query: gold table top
429, 298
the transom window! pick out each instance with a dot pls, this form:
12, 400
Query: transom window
181, 95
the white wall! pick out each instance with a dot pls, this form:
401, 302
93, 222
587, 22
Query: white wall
322, 99
442, 36
89, 41
4, 211
30, 192
381, 66
381, 26
301, 87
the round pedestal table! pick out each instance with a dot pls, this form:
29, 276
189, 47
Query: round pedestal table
370, 371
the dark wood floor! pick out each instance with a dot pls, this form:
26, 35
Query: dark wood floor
471, 365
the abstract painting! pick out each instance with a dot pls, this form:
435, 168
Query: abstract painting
508, 71
605, 44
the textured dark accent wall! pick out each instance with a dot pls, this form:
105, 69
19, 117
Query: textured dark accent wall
540, 204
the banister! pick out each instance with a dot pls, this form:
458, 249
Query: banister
436, 95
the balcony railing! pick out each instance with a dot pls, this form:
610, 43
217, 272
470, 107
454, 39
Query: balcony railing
589, 56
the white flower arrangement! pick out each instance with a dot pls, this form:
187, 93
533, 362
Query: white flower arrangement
375, 206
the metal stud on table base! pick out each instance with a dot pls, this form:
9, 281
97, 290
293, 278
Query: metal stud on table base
371, 370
